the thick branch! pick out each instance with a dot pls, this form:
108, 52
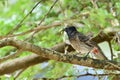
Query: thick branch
30, 60
90, 74
20, 63
51, 54
104, 36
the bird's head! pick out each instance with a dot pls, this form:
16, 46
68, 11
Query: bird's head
69, 29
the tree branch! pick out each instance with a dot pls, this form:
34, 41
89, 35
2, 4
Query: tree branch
51, 54
89, 74
30, 60
20, 63
101, 36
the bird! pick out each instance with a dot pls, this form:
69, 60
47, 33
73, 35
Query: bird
83, 44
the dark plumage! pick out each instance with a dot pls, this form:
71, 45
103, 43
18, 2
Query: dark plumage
82, 43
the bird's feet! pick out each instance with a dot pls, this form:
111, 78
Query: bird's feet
66, 50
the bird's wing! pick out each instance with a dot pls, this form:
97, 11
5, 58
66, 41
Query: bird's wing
91, 45
85, 39
82, 37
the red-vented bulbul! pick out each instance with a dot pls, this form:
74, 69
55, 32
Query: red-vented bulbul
83, 44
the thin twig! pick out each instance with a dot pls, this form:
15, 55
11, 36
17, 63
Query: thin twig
19, 24
116, 66
44, 18
47, 12
10, 56
94, 3
88, 74
97, 74
62, 9
36, 29
111, 51
18, 73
